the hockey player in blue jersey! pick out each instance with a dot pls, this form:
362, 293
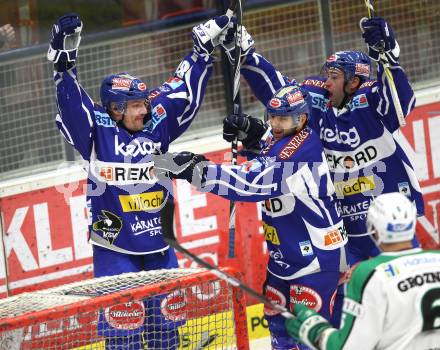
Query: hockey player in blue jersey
117, 139
356, 120
304, 232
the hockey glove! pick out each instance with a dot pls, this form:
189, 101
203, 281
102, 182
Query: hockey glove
183, 165
247, 129
379, 37
307, 327
66, 36
206, 35
227, 41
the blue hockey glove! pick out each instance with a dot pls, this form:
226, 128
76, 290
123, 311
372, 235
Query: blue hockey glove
379, 37
206, 35
307, 327
227, 41
247, 129
64, 43
183, 165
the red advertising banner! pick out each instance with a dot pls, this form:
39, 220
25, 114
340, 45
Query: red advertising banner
45, 231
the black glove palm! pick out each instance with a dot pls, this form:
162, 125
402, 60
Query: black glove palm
183, 165
245, 128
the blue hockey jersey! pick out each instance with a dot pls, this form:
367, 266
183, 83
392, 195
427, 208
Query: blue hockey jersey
122, 195
360, 141
302, 227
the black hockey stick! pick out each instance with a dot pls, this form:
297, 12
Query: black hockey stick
388, 75
167, 222
235, 6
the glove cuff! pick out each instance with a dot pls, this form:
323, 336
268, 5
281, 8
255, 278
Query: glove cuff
306, 330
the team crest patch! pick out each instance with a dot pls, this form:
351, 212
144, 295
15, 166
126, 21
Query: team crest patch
404, 188
109, 224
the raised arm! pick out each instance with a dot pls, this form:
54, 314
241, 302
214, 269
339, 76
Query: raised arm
380, 40
182, 95
76, 114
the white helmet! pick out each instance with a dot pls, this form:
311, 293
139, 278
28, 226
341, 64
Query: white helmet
393, 216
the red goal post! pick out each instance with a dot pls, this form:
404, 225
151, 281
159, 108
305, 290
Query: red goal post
211, 313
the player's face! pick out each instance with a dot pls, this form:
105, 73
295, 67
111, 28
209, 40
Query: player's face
134, 115
335, 85
284, 125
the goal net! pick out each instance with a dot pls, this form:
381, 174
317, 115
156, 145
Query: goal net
160, 309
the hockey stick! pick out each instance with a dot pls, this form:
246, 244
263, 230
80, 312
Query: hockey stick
167, 222
384, 60
235, 4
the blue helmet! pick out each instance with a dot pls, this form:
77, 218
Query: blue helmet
352, 63
290, 100
120, 88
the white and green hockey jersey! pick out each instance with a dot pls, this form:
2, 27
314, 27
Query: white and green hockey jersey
392, 303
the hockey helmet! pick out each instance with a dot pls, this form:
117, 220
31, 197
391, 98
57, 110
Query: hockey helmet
393, 217
290, 100
121, 88
352, 63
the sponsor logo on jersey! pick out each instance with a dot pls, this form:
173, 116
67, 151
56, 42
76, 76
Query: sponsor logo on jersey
159, 113
109, 224
367, 84
314, 82
292, 146
153, 94
151, 226
136, 147
174, 82
359, 158
335, 237
270, 234
141, 202
276, 297
126, 315
279, 206
174, 306
355, 186
307, 296
350, 137
124, 174
419, 280
390, 270
359, 101
352, 307
319, 101
306, 248
357, 211
404, 188
277, 256
103, 119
